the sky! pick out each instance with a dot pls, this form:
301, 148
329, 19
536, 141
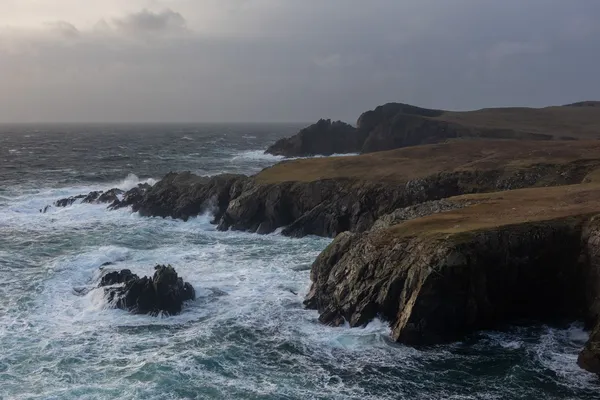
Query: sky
289, 60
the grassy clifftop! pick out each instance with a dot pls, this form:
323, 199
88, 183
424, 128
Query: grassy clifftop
401, 165
493, 210
577, 122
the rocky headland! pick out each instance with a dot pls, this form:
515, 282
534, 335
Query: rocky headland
396, 125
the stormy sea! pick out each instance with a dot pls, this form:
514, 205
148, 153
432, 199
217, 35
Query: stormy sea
247, 335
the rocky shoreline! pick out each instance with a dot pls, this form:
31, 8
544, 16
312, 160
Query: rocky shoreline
438, 240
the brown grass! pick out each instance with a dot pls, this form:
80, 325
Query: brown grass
401, 165
576, 122
507, 208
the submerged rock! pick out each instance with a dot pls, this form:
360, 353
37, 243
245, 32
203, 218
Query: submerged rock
164, 293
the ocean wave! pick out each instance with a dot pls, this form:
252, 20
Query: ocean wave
132, 180
261, 156
256, 155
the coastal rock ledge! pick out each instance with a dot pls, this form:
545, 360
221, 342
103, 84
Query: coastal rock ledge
522, 255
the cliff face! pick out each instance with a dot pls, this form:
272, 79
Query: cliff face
434, 290
323, 138
524, 255
184, 195
326, 207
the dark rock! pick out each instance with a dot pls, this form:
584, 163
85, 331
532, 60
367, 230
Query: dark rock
92, 197
110, 196
68, 201
435, 291
117, 277
370, 119
132, 197
184, 195
45, 209
325, 138
165, 292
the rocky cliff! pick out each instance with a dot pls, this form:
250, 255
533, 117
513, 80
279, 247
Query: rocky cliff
492, 259
327, 196
397, 125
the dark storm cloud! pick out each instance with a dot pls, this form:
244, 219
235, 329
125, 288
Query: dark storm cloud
270, 60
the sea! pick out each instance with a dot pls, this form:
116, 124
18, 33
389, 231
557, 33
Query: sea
247, 335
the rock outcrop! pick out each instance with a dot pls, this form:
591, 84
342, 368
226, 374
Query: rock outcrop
164, 293
184, 195
131, 197
117, 198
323, 138
68, 201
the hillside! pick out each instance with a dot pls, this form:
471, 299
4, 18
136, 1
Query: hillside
397, 125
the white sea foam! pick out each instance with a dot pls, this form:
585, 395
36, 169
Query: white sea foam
257, 155
132, 181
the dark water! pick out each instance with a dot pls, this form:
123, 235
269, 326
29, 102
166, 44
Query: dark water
247, 335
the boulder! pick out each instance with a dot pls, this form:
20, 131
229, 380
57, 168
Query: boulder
164, 293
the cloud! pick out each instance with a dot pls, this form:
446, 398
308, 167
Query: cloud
147, 21
285, 60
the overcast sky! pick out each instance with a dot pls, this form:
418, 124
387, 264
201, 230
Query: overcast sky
289, 60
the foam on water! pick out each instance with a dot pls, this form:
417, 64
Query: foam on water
257, 155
